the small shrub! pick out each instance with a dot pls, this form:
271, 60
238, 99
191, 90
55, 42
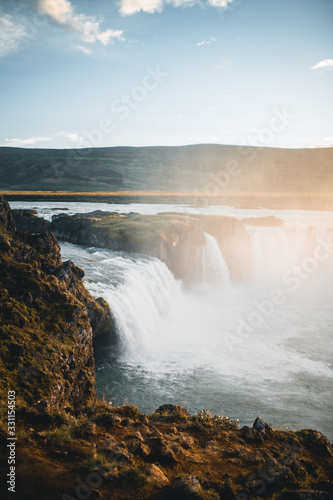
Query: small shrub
59, 438
129, 411
206, 417
96, 463
133, 475
24, 435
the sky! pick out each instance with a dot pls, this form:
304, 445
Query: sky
80, 73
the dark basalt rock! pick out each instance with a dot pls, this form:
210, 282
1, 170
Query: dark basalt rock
95, 213
305, 495
251, 435
171, 409
176, 239
6, 214
187, 487
161, 451
227, 490
261, 426
27, 220
73, 229
325, 486
37, 414
46, 334
70, 274
316, 441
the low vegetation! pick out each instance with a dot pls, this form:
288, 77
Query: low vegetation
120, 453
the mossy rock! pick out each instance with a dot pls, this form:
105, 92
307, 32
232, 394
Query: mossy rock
47, 320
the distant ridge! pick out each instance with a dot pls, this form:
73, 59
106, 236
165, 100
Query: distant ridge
207, 169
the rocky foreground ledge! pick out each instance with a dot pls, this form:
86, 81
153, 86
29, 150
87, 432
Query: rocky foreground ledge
101, 452
72, 446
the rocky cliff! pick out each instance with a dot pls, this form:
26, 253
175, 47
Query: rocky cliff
93, 450
48, 320
176, 239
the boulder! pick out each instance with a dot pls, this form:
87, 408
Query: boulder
316, 442
108, 419
156, 474
260, 426
187, 487
227, 490
169, 409
251, 435
161, 451
186, 442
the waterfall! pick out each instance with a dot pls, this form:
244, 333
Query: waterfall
201, 343
276, 251
214, 268
140, 299
270, 251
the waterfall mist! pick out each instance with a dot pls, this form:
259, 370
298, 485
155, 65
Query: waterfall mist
262, 345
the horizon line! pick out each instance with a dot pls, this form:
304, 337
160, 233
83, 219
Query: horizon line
170, 146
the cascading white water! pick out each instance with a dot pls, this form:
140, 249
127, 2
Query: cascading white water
139, 290
214, 343
214, 267
141, 301
282, 254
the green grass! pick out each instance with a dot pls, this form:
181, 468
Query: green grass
133, 475
59, 438
97, 462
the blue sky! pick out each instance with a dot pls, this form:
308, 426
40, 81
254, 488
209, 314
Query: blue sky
153, 72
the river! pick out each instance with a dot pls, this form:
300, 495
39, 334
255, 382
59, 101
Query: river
242, 349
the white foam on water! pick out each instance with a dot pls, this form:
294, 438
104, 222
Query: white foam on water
219, 344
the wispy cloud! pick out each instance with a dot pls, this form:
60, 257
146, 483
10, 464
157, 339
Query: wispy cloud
222, 4
12, 34
72, 136
89, 29
85, 50
25, 142
59, 139
205, 42
129, 7
327, 63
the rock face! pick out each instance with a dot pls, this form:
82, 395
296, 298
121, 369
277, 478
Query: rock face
48, 320
27, 220
176, 239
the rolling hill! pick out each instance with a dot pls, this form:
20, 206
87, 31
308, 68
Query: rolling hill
204, 169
